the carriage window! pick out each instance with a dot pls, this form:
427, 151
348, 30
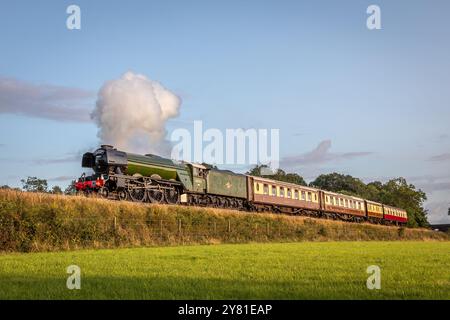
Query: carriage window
357, 205
309, 196
274, 190
303, 195
266, 189
346, 203
257, 186
289, 194
334, 201
315, 196
281, 191
296, 194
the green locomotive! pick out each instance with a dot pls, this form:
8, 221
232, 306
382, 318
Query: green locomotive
152, 178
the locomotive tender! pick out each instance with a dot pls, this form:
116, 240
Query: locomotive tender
151, 178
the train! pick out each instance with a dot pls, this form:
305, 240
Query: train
150, 178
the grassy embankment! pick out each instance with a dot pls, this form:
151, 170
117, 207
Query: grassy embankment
42, 222
307, 270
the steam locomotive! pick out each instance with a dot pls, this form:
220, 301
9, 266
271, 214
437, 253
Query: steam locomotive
151, 178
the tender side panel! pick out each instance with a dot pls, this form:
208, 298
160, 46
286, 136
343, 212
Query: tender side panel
280, 194
374, 210
226, 183
339, 203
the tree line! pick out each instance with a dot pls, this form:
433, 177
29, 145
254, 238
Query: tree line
34, 184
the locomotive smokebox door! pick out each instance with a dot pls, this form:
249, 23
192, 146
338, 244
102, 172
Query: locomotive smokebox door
88, 160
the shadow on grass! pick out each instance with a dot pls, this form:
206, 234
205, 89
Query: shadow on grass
148, 287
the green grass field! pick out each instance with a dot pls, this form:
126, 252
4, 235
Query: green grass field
308, 270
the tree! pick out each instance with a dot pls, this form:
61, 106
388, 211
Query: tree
280, 175
33, 184
70, 189
56, 190
398, 193
5, 187
336, 182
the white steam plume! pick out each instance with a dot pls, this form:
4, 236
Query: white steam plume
131, 114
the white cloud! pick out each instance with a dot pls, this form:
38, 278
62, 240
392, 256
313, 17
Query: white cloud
44, 101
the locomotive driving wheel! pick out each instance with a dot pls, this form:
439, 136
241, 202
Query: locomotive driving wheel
137, 194
155, 195
172, 196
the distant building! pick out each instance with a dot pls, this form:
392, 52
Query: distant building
440, 227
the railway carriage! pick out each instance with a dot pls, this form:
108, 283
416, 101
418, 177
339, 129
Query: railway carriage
343, 206
395, 215
267, 194
374, 211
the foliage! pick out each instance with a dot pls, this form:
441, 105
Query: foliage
70, 189
34, 184
280, 175
56, 190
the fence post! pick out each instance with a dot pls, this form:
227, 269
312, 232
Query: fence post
268, 230
115, 223
160, 228
229, 226
179, 225
215, 227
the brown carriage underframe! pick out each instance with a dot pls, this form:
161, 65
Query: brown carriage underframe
315, 212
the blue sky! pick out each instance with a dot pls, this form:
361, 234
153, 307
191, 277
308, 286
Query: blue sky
310, 68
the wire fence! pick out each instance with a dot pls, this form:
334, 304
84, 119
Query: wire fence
161, 227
